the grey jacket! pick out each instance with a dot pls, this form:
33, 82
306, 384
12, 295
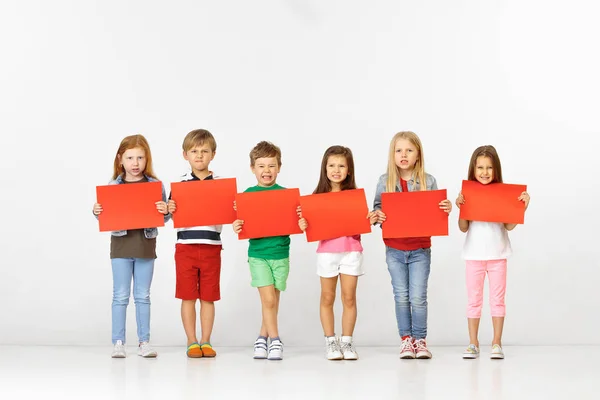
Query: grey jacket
412, 186
149, 233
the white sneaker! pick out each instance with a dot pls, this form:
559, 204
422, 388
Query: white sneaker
332, 348
407, 349
471, 352
119, 350
275, 350
421, 349
146, 351
260, 349
348, 349
497, 352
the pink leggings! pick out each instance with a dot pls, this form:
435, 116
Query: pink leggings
496, 271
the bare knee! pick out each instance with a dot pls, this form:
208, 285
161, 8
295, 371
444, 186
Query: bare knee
327, 299
349, 300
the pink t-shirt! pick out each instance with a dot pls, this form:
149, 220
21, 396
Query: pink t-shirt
340, 245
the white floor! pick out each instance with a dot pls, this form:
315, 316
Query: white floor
564, 372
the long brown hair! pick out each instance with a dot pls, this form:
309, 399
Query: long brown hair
324, 185
394, 172
133, 142
486, 151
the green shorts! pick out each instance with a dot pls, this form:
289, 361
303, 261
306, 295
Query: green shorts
269, 272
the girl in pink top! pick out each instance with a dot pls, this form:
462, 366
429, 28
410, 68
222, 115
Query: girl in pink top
338, 257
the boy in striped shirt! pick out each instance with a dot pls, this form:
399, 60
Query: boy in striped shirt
198, 253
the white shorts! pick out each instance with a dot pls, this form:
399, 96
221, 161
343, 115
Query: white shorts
333, 264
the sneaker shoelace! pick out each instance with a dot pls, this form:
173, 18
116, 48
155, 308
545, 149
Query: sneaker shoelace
332, 346
145, 346
348, 346
407, 345
420, 345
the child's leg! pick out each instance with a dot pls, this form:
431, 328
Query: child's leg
209, 286
207, 319
187, 287
143, 270
122, 270
419, 264
475, 278
188, 317
268, 299
348, 284
328, 289
398, 269
497, 277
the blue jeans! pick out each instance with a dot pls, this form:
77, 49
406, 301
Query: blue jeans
141, 270
410, 273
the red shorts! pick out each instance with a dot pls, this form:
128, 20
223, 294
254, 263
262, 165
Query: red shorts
198, 269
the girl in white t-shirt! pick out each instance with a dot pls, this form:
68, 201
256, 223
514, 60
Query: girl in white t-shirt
339, 257
486, 249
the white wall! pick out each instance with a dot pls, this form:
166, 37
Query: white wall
76, 77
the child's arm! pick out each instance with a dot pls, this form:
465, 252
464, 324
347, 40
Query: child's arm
380, 215
524, 197
302, 224
162, 206
463, 224
237, 226
97, 209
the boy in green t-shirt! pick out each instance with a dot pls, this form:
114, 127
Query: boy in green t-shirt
268, 257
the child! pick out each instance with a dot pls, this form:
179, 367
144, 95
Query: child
486, 249
408, 259
198, 253
268, 257
341, 256
133, 252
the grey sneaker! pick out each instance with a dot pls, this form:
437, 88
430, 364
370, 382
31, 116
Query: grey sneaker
275, 350
260, 349
146, 351
471, 352
348, 349
119, 350
332, 348
497, 352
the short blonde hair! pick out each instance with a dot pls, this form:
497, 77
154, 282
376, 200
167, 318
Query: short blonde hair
265, 149
198, 137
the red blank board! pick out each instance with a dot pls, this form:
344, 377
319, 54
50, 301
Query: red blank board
129, 206
335, 214
414, 214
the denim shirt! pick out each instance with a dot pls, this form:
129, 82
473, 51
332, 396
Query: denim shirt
413, 185
149, 233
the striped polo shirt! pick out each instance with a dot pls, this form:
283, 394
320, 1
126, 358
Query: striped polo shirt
199, 234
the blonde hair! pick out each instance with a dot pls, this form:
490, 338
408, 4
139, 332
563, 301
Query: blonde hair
198, 137
133, 142
394, 172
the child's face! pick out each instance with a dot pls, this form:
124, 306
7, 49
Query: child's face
134, 163
199, 157
266, 169
337, 170
405, 154
484, 172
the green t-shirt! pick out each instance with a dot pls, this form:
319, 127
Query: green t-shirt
270, 248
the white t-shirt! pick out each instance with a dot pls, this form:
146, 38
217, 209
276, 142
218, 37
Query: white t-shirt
486, 241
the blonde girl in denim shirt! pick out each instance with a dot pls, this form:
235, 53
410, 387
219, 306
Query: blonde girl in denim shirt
133, 252
408, 259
